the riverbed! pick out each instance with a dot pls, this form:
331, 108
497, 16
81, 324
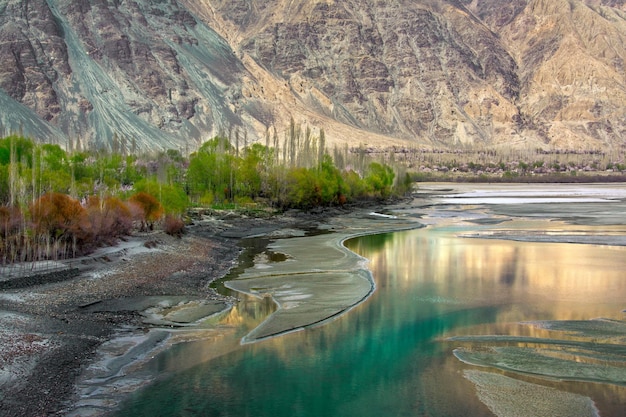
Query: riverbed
469, 300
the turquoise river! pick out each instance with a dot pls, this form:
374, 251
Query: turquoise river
497, 307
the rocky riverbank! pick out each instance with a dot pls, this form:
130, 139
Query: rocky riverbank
50, 330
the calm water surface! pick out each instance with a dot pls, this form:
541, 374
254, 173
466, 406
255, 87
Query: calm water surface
389, 356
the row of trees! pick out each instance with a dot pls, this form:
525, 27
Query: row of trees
55, 204
218, 172
29, 170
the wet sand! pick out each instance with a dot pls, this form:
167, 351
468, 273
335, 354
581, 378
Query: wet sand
319, 279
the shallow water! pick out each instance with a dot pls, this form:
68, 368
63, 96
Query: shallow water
456, 326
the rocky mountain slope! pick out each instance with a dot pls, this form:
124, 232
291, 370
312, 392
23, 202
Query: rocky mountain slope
442, 73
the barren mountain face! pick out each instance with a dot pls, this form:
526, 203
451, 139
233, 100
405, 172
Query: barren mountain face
147, 72
170, 74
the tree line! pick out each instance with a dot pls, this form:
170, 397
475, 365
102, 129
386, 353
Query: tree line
56, 204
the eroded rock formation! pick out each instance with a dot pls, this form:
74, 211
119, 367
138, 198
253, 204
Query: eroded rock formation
455, 73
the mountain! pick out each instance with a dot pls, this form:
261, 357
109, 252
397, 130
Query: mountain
456, 73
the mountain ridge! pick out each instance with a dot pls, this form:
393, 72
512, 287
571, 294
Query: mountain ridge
450, 74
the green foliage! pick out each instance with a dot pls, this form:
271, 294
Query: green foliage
172, 197
64, 199
53, 157
380, 180
4, 183
22, 148
212, 170
253, 171
306, 176
217, 173
405, 185
353, 185
331, 182
303, 189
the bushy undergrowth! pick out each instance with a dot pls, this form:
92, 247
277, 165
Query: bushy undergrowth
56, 204
56, 226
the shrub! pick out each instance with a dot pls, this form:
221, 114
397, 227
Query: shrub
150, 210
60, 228
171, 197
109, 218
10, 219
173, 225
59, 216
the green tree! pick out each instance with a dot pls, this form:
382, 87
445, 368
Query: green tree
252, 171
380, 179
330, 180
354, 186
303, 189
212, 170
53, 157
172, 197
4, 184
22, 147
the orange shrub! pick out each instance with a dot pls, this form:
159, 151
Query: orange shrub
60, 216
10, 219
150, 208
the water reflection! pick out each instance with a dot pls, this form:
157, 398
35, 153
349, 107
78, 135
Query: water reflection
559, 281
520, 282
390, 356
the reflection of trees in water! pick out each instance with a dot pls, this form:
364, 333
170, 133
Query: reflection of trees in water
369, 243
390, 351
256, 308
511, 269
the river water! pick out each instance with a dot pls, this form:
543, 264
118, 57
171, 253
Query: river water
487, 311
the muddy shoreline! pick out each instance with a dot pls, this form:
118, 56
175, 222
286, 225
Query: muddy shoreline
50, 332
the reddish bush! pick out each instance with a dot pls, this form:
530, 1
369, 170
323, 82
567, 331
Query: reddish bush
122, 221
150, 209
60, 216
109, 218
10, 220
173, 225
11, 238
60, 228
